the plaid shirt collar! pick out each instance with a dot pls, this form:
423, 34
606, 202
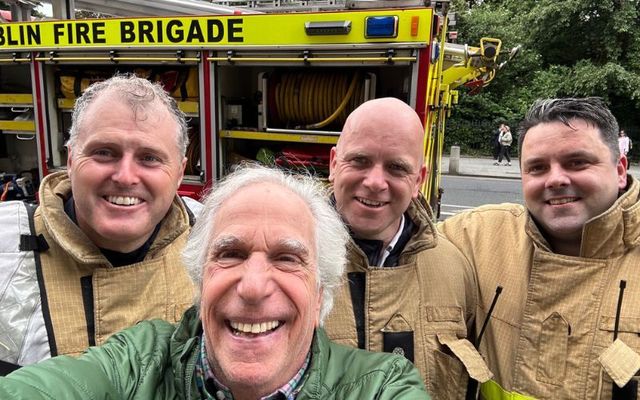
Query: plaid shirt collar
207, 382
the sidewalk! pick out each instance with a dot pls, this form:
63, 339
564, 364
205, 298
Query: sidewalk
472, 166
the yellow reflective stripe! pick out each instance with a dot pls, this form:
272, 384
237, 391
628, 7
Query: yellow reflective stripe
491, 390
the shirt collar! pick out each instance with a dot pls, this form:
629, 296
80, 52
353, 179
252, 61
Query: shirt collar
392, 243
207, 382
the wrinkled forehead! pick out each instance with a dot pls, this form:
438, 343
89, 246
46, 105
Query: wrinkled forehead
267, 205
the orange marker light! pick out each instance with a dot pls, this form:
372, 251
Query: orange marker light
415, 22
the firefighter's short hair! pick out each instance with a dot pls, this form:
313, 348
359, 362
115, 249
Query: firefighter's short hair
592, 110
138, 92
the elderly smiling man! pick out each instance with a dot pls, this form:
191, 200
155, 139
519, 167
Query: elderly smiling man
267, 253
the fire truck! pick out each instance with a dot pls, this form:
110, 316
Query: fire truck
256, 84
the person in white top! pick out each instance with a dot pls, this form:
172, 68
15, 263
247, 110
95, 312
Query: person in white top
624, 143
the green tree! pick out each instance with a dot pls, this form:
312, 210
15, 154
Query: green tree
570, 48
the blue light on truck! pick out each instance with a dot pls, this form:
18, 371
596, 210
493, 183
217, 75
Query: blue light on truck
381, 27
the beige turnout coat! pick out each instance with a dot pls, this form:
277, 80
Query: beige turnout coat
430, 296
157, 287
551, 333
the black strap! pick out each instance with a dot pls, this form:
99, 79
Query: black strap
46, 314
357, 284
183, 77
627, 392
86, 283
6, 368
630, 390
33, 243
77, 84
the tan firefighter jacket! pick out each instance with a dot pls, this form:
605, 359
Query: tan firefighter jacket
423, 306
72, 292
551, 333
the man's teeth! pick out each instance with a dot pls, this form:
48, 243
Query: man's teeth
123, 200
370, 202
254, 328
555, 202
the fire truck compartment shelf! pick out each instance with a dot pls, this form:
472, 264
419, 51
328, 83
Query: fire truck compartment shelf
308, 60
18, 126
279, 137
188, 107
16, 99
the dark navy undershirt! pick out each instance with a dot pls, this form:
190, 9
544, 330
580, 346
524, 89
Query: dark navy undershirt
373, 248
116, 258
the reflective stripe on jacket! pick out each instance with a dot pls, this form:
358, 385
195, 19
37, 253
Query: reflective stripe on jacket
23, 337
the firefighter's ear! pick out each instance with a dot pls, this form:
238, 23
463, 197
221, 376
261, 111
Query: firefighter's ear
333, 159
69, 159
183, 165
422, 175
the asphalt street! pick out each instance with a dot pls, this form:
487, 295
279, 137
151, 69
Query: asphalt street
465, 192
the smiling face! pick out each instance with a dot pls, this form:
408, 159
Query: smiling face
260, 298
125, 169
377, 167
568, 177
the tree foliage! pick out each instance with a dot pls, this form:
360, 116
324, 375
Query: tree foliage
569, 48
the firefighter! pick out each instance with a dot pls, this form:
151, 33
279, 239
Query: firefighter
105, 243
565, 325
409, 290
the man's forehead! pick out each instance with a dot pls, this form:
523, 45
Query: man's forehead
536, 157
152, 117
266, 201
557, 140
141, 110
364, 152
225, 240
379, 126
400, 145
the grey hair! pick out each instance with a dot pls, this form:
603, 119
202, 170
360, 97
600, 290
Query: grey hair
589, 109
139, 93
331, 236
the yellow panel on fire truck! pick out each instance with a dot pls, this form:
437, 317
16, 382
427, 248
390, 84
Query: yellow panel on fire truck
201, 32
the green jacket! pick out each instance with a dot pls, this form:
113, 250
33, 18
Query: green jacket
156, 360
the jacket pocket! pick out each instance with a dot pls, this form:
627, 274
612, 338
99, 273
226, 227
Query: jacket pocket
552, 360
442, 314
621, 360
465, 353
626, 325
448, 380
447, 377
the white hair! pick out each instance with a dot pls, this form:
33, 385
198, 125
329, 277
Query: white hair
331, 236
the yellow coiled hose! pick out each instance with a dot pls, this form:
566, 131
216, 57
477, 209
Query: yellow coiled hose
312, 99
